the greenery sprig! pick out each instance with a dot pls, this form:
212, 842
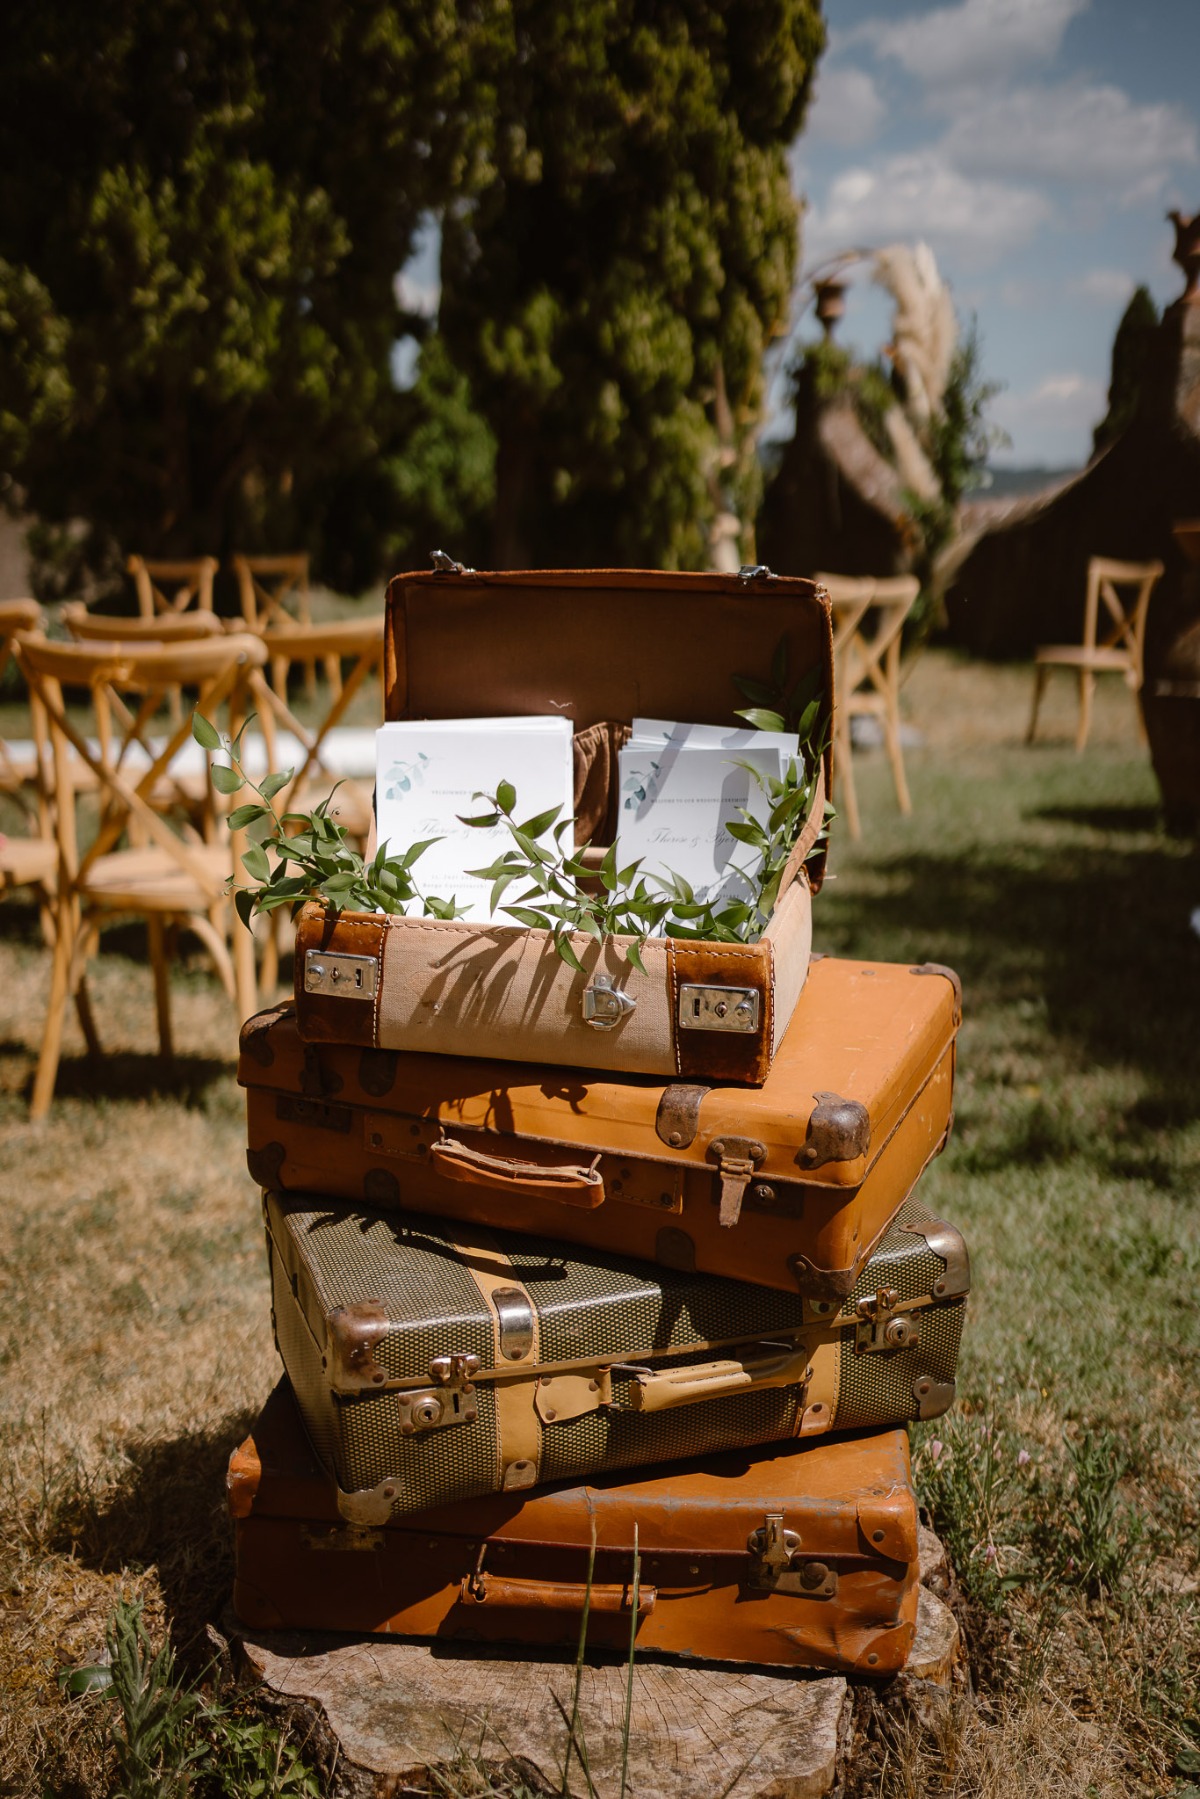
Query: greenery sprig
561, 892
327, 866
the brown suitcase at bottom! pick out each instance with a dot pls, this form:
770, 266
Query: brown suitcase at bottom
803, 1557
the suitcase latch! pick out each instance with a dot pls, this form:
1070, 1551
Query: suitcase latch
736, 1159
776, 1563
880, 1326
343, 977
718, 1008
605, 1005
451, 1400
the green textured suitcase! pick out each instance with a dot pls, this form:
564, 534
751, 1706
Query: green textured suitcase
434, 1363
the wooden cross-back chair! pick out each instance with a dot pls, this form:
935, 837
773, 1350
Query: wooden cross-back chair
136, 864
1114, 627
274, 596
28, 858
359, 643
866, 677
166, 588
15, 615
167, 627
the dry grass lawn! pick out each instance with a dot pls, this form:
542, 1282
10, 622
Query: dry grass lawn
135, 1339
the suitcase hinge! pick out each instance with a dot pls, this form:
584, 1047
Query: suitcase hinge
776, 1563
736, 1159
880, 1326
446, 565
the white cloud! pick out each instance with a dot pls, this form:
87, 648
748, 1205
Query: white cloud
977, 41
1110, 286
920, 195
1072, 132
1067, 403
848, 109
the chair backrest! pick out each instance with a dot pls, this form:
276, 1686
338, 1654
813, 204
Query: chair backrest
273, 590
170, 627
1118, 596
127, 685
15, 615
189, 582
872, 661
850, 596
359, 641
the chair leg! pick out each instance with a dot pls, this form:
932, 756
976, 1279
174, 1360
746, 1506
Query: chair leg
1041, 675
51, 1050
87, 1020
1087, 686
891, 735
845, 768
156, 934
268, 974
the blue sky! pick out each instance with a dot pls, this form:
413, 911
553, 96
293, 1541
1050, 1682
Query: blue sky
1035, 145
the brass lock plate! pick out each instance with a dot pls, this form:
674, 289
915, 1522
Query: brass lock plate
434, 1408
341, 977
718, 1008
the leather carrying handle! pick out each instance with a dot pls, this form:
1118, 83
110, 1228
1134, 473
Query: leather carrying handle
661, 1391
569, 1184
552, 1595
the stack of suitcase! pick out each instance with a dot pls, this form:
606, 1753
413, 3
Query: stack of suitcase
532, 1315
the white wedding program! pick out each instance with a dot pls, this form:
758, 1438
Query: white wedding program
682, 786
428, 775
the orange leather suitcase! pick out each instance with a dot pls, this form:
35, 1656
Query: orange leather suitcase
599, 647
801, 1556
789, 1185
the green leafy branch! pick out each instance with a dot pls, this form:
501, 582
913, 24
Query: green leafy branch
316, 847
562, 894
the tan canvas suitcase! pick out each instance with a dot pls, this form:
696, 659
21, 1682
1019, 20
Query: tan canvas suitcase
788, 1185
434, 1362
599, 647
800, 1556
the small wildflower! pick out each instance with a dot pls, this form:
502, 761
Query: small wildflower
991, 1553
1023, 1457
935, 1448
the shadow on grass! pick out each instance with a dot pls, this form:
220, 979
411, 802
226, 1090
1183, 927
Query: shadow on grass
168, 1511
1141, 819
1098, 937
127, 1075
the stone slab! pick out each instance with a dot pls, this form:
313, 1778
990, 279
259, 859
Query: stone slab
398, 1708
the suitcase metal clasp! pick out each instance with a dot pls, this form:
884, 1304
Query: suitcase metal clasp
605, 1005
776, 1565
880, 1326
341, 977
450, 1401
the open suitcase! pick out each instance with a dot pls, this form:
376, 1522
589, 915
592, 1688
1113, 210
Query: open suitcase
788, 1185
434, 1362
599, 647
803, 1556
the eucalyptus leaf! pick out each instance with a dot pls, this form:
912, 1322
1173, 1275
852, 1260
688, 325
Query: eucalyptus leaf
226, 780
206, 734
247, 815
763, 719
270, 785
255, 863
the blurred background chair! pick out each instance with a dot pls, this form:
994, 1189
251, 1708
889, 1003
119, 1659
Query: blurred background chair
866, 674
274, 594
1112, 638
28, 857
139, 862
317, 752
169, 627
164, 588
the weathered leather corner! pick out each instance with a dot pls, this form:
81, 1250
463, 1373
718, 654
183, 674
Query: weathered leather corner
734, 1057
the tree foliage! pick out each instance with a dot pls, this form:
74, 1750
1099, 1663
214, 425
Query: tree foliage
610, 288
202, 211
1131, 348
202, 215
